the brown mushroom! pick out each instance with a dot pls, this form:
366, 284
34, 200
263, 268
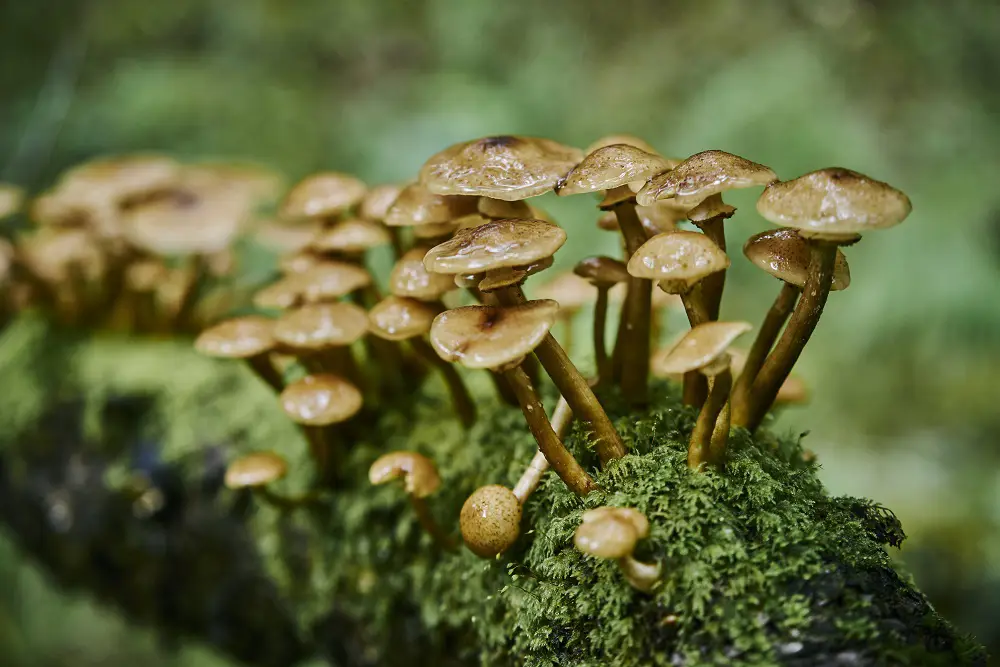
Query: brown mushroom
284, 238
490, 520
318, 402
250, 338
416, 206
350, 238
322, 334
11, 199
257, 471
612, 533
420, 479
603, 273
376, 203
409, 278
323, 196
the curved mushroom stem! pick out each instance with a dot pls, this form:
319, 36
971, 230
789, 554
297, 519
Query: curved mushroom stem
532, 476
775, 319
720, 436
642, 576
699, 447
427, 521
460, 398
265, 370
715, 284
600, 325
636, 313
802, 323
695, 383
549, 444
286, 502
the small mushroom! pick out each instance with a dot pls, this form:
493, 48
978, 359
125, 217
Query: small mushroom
330, 279
249, 338
323, 196
612, 533
257, 471
318, 402
376, 203
420, 479
322, 334
490, 520
498, 209
603, 273
416, 206
350, 238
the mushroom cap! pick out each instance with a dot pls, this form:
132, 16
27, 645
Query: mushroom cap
494, 245
680, 258
116, 178
490, 520
497, 209
659, 217
377, 201
601, 271
11, 199
399, 318
627, 139
612, 167
703, 175
320, 326
51, 253
833, 202
282, 294
491, 336
255, 469
323, 195
435, 231
419, 473
710, 207
299, 261
237, 338
416, 206
330, 279
409, 278
351, 237
785, 255
320, 400
511, 275
610, 532
284, 238
699, 348
503, 167
569, 290
253, 181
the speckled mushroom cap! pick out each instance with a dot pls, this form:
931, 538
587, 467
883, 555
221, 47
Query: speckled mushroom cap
420, 475
700, 348
255, 469
409, 278
661, 216
377, 201
321, 325
491, 336
679, 259
569, 290
495, 245
323, 195
627, 139
785, 255
703, 175
51, 253
399, 318
490, 520
330, 279
351, 237
284, 238
416, 206
320, 400
601, 271
200, 218
11, 199
280, 295
610, 532
833, 203
507, 276
503, 167
237, 338
497, 209
612, 167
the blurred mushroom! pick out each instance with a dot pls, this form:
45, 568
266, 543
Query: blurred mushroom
612, 533
323, 196
603, 273
572, 293
627, 139
350, 238
249, 338
420, 479
431, 215
257, 471
330, 279
375, 207
321, 335
66, 267
11, 199
286, 239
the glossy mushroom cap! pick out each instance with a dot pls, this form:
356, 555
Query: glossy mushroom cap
298, 261
677, 259
490, 520
491, 336
280, 295
11, 199
785, 255
320, 400
416, 206
420, 475
409, 278
495, 245
511, 275
834, 203
703, 175
701, 348
610, 532
627, 139
351, 237
255, 469
330, 279
323, 195
284, 238
612, 167
399, 318
504, 167
601, 271
376, 203
320, 326
238, 338
497, 209
712, 207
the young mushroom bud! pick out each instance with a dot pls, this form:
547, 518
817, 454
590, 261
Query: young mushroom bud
490, 520
612, 533
420, 479
250, 338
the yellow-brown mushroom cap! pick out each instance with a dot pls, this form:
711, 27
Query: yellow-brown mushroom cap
833, 202
490, 520
611, 167
661, 216
496, 279
237, 338
117, 178
351, 237
700, 348
501, 167
319, 326
323, 195
709, 208
11, 199
285, 238
680, 258
497, 209
330, 279
703, 175
376, 203
399, 318
255, 469
601, 271
199, 218
299, 261
627, 139
320, 400
280, 295
416, 206
409, 278
491, 336
53, 254
494, 245
420, 475
785, 255
610, 532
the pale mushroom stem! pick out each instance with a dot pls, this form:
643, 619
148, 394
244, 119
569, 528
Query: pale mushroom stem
637, 312
549, 444
695, 383
194, 274
600, 326
805, 317
642, 576
532, 476
775, 319
428, 523
265, 370
465, 407
699, 447
714, 285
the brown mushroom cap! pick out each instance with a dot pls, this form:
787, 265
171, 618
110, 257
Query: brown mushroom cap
785, 255
398, 318
495, 245
255, 469
11, 199
409, 278
115, 179
711, 207
323, 195
491, 336
319, 326
601, 271
610, 532
255, 182
511, 275
417, 206
280, 295
330, 279
298, 262
627, 139
435, 231
490, 520
661, 216
284, 238
376, 203
50, 254
320, 400
569, 290
146, 275
703, 175
497, 209
351, 237
793, 391
700, 348
679, 259
611, 167
833, 202
238, 338
419, 473
504, 167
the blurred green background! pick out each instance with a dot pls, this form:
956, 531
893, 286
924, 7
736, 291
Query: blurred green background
904, 365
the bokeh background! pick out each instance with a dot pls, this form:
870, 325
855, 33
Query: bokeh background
905, 365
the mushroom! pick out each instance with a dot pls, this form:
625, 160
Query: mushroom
323, 196
418, 208
410, 279
498, 209
257, 471
65, 268
420, 479
329, 280
322, 334
249, 338
350, 238
512, 243
612, 533
375, 206
490, 520
703, 349
829, 207
318, 402
287, 239
603, 273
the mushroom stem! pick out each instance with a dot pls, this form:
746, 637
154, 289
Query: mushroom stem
600, 326
699, 447
695, 383
286, 502
803, 321
464, 405
775, 319
429, 524
619, 348
194, 274
720, 435
642, 576
637, 312
503, 388
712, 286
532, 476
265, 370
549, 444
